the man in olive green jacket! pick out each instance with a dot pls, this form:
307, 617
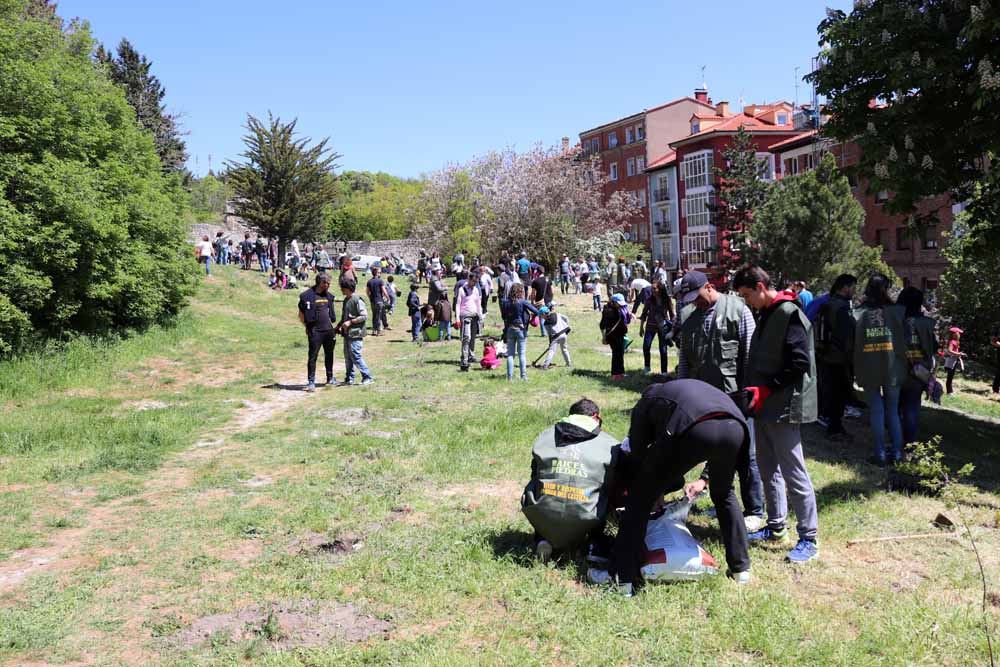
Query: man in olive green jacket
353, 316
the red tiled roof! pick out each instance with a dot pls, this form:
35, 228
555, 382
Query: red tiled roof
662, 161
787, 143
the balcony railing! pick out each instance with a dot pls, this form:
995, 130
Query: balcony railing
661, 195
699, 248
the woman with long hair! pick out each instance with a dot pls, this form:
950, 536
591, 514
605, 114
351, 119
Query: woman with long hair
517, 313
880, 365
615, 319
921, 346
656, 318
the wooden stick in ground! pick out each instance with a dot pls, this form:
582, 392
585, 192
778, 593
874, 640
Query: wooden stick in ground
896, 538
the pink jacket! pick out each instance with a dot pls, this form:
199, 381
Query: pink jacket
468, 303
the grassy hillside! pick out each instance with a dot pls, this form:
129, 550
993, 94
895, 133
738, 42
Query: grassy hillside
176, 500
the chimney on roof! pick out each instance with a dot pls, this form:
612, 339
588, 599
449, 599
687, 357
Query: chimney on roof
565, 144
701, 94
722, 108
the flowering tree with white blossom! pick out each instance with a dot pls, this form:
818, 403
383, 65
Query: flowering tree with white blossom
542, 201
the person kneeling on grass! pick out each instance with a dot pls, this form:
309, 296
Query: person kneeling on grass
781, 384
572, 470
675, 426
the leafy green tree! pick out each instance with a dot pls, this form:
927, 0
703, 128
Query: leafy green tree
809, 228
131, 70
739, 191
91, 236
931, 70
283, 186
375, 206
208, 196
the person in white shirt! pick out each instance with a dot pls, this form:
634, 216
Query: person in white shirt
485, 286
204, 249
597, 293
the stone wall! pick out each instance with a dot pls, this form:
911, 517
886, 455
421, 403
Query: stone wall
408, 249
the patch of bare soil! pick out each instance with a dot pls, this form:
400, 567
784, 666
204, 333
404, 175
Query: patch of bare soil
503, 494
285, 625
321, 544
349, 416
258, 481
384, 435
148, 404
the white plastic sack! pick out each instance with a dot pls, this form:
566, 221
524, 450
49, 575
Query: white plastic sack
672, 553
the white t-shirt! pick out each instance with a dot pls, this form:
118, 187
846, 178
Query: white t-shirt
205, 248
597, 289
639, 284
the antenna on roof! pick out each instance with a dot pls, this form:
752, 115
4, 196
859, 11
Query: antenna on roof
703, 84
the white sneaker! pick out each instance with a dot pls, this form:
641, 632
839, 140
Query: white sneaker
543, 550
753, 523
741, 578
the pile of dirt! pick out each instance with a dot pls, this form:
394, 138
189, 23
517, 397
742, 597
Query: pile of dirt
322, 544
285, 625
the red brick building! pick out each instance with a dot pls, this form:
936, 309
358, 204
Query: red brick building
916, 259
710, 133
626, 147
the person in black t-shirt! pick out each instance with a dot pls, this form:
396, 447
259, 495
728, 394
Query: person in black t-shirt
316, 312
541, 294
377, 297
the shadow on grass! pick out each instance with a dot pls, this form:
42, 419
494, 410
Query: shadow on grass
288, 387
634, 381
518, 546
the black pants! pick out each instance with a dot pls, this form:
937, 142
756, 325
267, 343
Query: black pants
718, 441
328, 341
617, 344
951, 376
378, 309
836, 391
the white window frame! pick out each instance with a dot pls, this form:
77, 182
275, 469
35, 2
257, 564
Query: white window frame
695, 127
766, 161
628, 135
641, 194
699, 247
778, 118
630, 167
696, 211
612, 139
640, 164
696, 170
640, 132
792, 165
613, 171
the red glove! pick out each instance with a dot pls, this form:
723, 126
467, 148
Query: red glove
757, 397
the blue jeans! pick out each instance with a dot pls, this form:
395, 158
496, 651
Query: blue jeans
909, 408
415, 323
352, 358
262, 260
883, 406
516, 345
444, 330
597, 302
208, 265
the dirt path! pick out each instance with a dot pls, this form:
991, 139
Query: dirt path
173, 475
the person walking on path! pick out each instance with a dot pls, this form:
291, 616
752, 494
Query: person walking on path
413, 310
317, 314
675, 426
615, 319
953, 356
834, 334
517, 313
921, 349
557, 325
713, 341
204, 251
377, 297
781, 378
880, 365
469, 317
353, 316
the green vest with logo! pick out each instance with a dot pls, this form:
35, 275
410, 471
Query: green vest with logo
713, 357
352, 311
796, 403
567, 496
921, 345
880, 347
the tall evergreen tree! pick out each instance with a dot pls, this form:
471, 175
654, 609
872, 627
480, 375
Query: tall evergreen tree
131, 70
284, 185
739, 191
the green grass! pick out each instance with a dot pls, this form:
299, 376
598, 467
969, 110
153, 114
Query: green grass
184, 532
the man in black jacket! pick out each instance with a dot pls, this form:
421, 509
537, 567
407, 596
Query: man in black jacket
834, 331
675, 426
317, 314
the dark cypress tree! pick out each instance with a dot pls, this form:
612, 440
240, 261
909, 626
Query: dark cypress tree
131, 70
739, 191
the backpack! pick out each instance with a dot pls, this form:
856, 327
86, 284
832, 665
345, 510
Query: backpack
567, 497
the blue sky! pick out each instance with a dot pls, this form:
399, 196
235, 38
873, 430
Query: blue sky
406, 87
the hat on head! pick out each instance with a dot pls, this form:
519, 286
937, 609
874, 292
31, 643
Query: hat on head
544, 310
692, 281
619, 299
955, 330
